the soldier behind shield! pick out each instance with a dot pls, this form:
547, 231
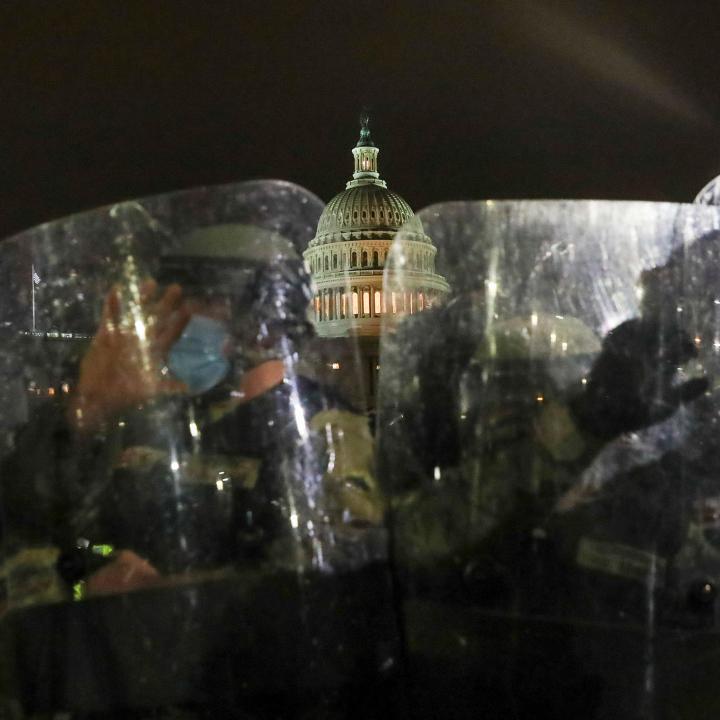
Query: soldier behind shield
192, 444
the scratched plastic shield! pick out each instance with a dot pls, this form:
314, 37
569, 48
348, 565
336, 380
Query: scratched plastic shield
190, 517
548, 437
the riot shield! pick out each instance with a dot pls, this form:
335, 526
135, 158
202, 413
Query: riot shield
191, 524
547, 435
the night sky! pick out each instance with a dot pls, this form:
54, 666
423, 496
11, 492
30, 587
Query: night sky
103, 101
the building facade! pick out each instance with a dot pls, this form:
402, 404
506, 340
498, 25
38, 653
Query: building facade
347, 258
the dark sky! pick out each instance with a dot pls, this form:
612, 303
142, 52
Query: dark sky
103, 101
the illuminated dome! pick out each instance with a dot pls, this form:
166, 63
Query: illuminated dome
369, 208
348, 253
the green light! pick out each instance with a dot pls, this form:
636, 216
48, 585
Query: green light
78, 590
103, 550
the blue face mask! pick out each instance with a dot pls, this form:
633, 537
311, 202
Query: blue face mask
197, 358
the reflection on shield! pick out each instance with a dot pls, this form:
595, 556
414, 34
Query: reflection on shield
547, 436
191, 520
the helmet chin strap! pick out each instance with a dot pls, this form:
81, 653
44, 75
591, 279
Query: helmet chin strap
242, 362
257, 346
224, 389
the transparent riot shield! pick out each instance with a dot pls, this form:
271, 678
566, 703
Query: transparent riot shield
548, 437
191, 524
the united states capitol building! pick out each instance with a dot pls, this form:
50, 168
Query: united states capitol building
347, 258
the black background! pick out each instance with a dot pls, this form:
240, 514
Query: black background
102, 101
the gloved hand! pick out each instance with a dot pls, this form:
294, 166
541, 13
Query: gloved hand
633, 382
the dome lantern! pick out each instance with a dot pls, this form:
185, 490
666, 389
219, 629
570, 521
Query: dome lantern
365, 154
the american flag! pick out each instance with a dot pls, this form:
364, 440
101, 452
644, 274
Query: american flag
35, 277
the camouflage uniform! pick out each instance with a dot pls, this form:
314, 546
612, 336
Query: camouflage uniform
518, 451
247, 481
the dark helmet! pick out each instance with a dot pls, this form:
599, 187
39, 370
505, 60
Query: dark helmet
259, 270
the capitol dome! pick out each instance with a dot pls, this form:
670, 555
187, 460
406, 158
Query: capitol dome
348, 253
369, 208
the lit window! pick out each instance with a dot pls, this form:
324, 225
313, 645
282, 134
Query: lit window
421, 301
378, 302
366, 302
393, 300
343, 306
355, 303
335, 366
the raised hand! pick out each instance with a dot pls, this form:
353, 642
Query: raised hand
125, 362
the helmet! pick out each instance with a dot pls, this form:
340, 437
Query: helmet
560, 346
259, 270
521, 363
